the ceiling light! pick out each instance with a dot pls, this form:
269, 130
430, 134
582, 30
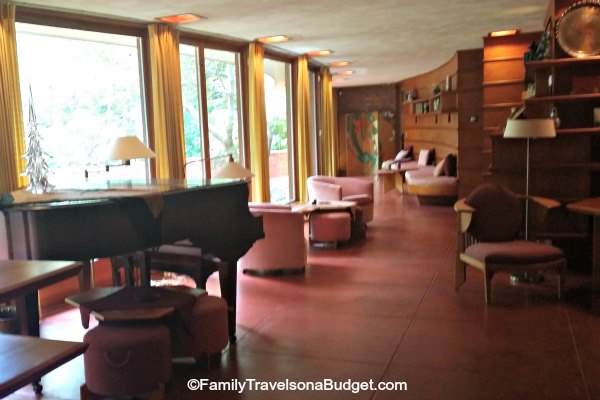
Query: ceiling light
508, 32
180, 18
273, 39
339, 64
319, 53
347, 72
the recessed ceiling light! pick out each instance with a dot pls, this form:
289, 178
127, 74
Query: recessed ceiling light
508, 32
339, 64
347, 72
273, 39
319, 53
180, 18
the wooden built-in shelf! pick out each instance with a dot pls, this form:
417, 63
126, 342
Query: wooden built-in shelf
593, 166
578, 131
563, 98
561, 62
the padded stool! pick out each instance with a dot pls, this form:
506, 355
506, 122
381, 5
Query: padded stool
330, 227
127, 359
207, 333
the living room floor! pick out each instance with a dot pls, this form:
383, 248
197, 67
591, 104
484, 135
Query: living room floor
385, 309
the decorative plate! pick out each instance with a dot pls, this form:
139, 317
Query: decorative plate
578, 29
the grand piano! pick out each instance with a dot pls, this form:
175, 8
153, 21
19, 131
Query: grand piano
108, 218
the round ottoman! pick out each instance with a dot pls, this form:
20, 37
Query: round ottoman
127, 359
330, 226
207, 330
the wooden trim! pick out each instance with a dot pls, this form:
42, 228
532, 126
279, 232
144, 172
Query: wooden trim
502, 105
62, 19
509, 58
503, 82
204, 112
212, 42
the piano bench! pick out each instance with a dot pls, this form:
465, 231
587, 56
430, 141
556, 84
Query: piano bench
183, 259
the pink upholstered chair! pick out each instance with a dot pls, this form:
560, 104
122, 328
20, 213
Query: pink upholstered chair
284, 247
359, 190
489, 222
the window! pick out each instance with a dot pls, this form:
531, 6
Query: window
222, 71
278, 109
222, 104
86, 90
192, 123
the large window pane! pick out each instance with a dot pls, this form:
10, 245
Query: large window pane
86, 92
190, 88
278, 108
222, 104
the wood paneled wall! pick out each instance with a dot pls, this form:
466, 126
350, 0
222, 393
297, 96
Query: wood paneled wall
456, 127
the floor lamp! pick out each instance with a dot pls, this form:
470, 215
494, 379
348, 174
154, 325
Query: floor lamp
528, 129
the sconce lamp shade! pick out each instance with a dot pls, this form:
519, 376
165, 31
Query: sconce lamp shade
233, 170
529, 128
128, 148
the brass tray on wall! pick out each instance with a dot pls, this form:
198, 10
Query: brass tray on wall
578, 29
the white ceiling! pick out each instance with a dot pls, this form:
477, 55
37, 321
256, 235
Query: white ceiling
386, 40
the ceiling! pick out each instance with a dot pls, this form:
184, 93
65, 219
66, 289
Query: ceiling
386, 40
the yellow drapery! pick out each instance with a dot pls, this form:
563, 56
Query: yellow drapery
328, 137
303, 147
12, 135
169, 143
257, 122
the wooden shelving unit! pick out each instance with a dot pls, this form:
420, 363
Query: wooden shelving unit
565, 168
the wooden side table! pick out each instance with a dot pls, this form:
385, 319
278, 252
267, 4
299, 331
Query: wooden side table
591, 207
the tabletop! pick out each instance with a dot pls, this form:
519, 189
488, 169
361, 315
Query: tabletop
25, 359
20, 277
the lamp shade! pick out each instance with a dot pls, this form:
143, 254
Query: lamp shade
233, 170
128, 148
529, 128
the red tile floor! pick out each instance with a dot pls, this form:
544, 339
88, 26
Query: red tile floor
386, 310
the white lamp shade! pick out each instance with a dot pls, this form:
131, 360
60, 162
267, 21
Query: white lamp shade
529, 128
128, 148
233, 170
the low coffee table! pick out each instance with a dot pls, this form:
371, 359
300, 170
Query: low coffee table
357, 226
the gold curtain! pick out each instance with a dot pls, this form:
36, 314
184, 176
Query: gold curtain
169, 143
257, 122
328, 137
303, 147
12, 135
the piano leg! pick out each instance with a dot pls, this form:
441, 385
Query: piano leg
228, 282
85, 276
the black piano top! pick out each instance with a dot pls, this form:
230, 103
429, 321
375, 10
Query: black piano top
90, 192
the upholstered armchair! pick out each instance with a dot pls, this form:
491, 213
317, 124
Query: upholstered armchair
489, 222
284, 247
359, 190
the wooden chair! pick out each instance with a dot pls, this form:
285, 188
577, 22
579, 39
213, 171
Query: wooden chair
489, 222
